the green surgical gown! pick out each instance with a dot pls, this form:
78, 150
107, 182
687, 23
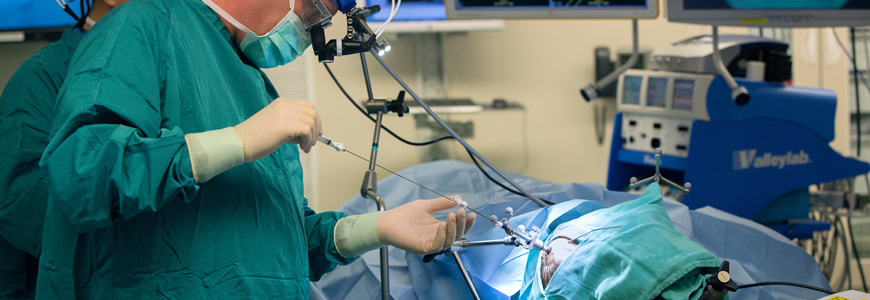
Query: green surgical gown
26, 111
126, 219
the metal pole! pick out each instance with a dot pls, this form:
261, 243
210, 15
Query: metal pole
374, 156
465, 275
371, 192
365, 67
385, 263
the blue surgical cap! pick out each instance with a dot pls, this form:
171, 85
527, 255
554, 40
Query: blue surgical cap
345, 5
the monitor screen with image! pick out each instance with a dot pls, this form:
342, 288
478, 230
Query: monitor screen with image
771, 13
550, 9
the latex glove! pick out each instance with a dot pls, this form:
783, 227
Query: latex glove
282, 121
412, 228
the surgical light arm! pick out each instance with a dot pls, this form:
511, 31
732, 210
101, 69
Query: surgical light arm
590, 91
738, 93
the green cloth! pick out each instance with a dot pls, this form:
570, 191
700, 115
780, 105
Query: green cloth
26, 111
645, 258
120, 174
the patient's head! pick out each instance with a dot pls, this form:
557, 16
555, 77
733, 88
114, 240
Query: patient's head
562, 247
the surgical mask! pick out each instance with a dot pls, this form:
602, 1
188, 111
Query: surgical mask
281, 45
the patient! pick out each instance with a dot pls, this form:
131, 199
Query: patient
562, 247
644, 258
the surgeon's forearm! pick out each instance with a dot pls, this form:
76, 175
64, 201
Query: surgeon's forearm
213, 152
355, 235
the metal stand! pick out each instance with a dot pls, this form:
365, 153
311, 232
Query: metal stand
462, 244
369, 188
658, 178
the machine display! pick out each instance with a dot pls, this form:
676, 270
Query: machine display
539, 9
771, 13
631, 90
683, 94
657, 92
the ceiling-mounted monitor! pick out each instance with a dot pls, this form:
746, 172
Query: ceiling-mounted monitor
551, 9
35, 15
770, 13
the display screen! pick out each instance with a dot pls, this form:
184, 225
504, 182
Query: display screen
411, 10
776, 4
553, 4
684, 89
35, 14
631, 90
657, 90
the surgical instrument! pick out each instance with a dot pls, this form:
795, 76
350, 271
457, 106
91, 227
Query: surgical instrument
529, 238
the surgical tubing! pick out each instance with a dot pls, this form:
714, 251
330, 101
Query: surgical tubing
453, 133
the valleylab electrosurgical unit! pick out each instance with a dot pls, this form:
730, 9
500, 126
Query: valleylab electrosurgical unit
754, 160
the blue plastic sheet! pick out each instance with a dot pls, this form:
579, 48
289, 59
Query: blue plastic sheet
755, 252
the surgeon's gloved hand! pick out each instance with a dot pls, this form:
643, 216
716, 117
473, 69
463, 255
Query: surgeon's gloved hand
412, 228
282, 121
409, 227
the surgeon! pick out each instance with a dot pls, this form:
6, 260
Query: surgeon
26, 111
173, 164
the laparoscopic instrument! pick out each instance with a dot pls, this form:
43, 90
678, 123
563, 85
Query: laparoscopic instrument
526, 239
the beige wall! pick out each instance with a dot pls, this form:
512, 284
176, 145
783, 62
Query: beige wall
833, 73
541, 64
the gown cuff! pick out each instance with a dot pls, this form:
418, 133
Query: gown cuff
213, 152
355, 235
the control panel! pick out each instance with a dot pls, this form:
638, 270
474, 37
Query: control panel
659, 109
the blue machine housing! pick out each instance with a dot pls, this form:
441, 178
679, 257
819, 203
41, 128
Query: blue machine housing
755, 161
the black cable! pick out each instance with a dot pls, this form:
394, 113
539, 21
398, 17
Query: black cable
499, 183
358, 107
857, 92
855, 251
848, 267
482, 170
785, 283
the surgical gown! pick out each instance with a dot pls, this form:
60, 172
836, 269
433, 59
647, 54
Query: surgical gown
126, 219
26, 111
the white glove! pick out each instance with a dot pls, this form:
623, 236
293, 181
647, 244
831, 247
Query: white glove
282, 121
412, 228
409, 227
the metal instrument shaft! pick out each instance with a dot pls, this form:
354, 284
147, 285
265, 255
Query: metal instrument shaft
420, 185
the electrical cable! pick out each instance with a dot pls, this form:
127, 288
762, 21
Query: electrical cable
393, 10
855, 251
856, 73
358, 107
424, 143
785, 283
548, 202
848, 265
482, 170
